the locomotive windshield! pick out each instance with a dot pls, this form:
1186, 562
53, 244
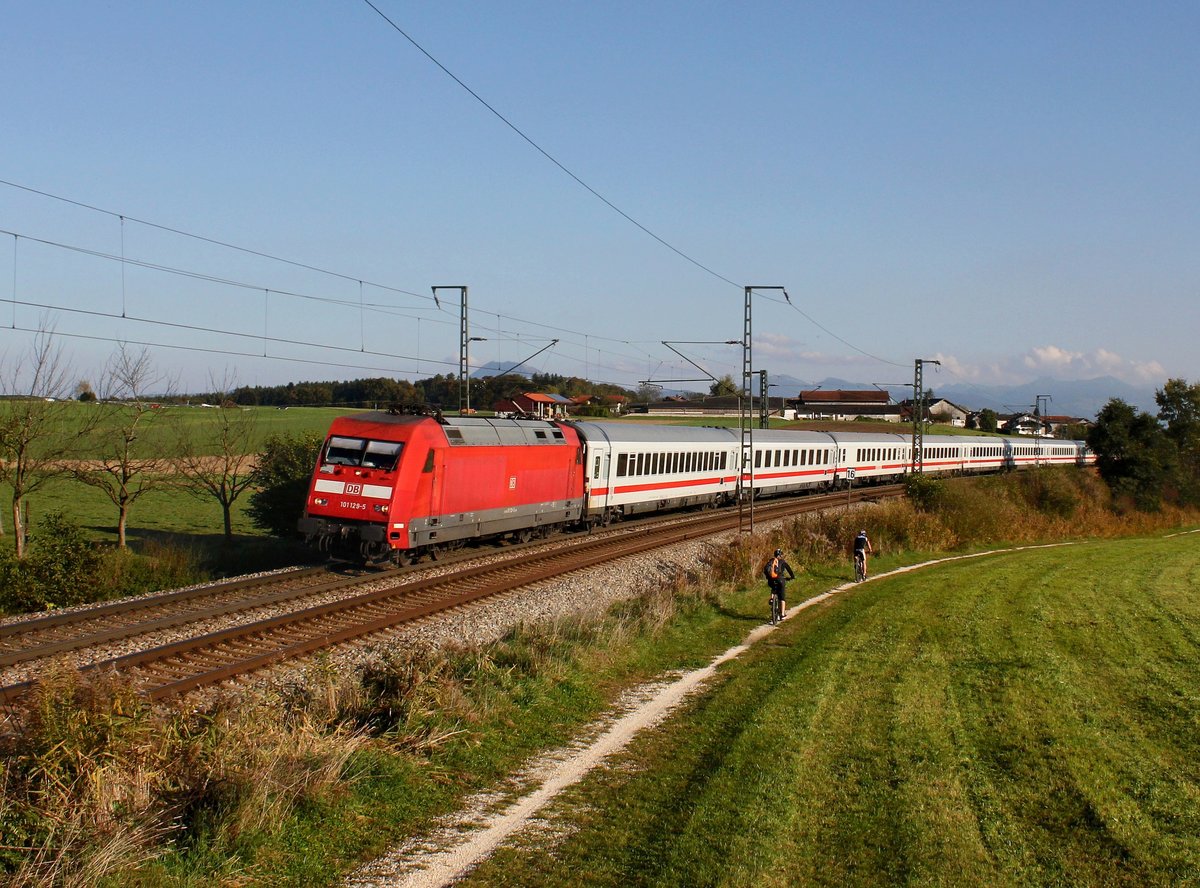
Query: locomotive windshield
361, 452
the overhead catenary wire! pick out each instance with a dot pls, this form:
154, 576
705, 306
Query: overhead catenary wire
381, 308
579, 180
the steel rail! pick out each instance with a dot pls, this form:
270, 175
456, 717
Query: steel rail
176, 668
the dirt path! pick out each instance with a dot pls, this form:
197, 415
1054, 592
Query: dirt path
463, 840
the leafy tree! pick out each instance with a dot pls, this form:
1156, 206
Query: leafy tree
724, 386
1179, 407
989, 421
281, 477
1133, 454
648, 393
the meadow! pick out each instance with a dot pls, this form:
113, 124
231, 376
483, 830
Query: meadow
1021, 719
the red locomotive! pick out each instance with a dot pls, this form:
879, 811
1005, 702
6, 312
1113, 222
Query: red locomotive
394, 486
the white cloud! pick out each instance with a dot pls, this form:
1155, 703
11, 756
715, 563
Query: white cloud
1057, 362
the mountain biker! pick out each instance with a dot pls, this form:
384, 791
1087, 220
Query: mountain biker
862, 548
775, 570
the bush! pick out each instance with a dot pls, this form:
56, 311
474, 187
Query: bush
925, 491
60, 569
281, 477
593, 410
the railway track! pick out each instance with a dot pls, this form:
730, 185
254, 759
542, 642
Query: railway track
209, 658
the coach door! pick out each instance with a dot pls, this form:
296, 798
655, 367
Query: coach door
599, 479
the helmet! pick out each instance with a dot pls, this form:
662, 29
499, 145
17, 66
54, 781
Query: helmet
778, 552
862, 532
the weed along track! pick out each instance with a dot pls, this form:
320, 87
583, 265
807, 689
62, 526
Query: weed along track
307, 611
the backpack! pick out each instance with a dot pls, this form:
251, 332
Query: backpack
771, 569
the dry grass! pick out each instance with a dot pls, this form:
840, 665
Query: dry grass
95, 781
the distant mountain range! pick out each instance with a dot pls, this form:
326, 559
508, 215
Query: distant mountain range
1082, 398
1068, 397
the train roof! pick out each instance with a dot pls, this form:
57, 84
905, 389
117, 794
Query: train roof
483, 430
458, 430
637, 433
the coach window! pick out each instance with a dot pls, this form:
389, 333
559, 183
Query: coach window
596, 470
621, 458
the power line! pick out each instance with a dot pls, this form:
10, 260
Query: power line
211, 351
542, 151
207, 278
125, 217
592, 190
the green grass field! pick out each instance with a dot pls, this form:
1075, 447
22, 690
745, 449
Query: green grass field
1023, 719
165, 512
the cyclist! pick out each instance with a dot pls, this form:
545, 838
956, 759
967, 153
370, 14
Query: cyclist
862, 548
778, 571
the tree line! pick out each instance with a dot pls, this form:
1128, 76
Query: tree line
441, 391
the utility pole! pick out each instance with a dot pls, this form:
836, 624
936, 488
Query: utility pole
464, 344
746, 469
1039, 414
918, 420
764, 405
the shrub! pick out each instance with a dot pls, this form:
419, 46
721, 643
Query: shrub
281, 477
60, 569
925, 491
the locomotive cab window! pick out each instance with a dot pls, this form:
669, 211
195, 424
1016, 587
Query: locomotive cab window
344, 451
382, 454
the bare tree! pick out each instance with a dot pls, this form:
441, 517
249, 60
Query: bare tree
215, 457
128, 463
39, 428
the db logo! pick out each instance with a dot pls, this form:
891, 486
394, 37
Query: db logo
355, 489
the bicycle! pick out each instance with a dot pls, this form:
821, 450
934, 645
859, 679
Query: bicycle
860, 567
775, 615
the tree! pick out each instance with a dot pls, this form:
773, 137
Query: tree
1179, 407
1133, 454
724, 386
39, 428
129, 464
285, 467
216, 458
989, 421
647, 393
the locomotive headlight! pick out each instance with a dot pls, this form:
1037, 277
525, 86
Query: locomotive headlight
320, 501
382, 508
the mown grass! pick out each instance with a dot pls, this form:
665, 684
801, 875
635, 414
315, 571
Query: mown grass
1028, 719
161, 429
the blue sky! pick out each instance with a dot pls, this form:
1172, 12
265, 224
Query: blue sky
1011, 188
